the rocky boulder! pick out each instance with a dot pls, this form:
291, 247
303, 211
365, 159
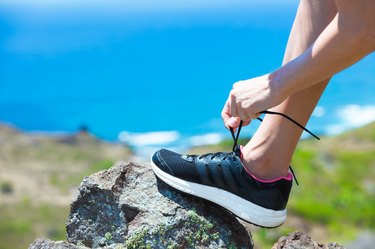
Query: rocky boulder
302, 241
49, 244
126, 206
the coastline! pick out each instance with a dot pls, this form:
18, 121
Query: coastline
143, 144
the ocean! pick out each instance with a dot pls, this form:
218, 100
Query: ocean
153, 75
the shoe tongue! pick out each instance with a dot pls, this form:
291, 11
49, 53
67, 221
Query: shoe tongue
237, 150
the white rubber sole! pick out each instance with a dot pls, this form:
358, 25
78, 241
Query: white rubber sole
242, 208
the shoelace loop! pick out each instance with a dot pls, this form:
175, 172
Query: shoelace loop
236, 136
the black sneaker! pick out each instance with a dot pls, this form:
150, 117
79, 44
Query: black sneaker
222, 178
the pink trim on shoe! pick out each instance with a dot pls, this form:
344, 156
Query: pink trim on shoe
289, 177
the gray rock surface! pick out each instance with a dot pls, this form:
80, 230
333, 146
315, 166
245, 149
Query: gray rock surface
49, 244
299, 240
127, 205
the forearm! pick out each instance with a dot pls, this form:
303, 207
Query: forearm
339, 46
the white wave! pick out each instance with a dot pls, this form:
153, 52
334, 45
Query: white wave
149, 138
206, 139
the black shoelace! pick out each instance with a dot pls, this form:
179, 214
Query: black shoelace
236, 136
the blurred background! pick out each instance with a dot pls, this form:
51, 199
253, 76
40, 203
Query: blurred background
84, 84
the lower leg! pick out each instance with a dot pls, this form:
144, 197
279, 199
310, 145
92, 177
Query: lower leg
269, 152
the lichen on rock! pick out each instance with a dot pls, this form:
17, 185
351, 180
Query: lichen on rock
129, 206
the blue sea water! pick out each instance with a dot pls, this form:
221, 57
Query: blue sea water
140, 67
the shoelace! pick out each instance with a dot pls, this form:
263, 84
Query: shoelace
236, 136
213, 155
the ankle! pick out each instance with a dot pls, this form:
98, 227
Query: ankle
263, 167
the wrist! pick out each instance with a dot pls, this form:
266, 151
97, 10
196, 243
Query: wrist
278, 85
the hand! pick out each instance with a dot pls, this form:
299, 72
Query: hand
248, 98
229, 120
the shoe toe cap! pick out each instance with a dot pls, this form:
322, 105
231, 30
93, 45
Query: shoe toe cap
160, 159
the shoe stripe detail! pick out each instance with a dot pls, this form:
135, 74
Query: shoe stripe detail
217, 176
231, 178
202, 172
238, 206
220, 175
209, 175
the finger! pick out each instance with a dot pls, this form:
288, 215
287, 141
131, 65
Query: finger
233, 105
233, 122
241, 111
246, 123
225, 113
226, 119
226, 107
243, 115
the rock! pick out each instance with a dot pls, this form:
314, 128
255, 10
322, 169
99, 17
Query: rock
299, 240
49, 244
126, 206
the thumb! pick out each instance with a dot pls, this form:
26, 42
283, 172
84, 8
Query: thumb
233, 122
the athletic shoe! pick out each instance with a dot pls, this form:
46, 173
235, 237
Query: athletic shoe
222, 178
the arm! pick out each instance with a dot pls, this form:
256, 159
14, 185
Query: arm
349, 37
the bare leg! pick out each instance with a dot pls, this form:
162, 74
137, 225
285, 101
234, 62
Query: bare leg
269, 152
